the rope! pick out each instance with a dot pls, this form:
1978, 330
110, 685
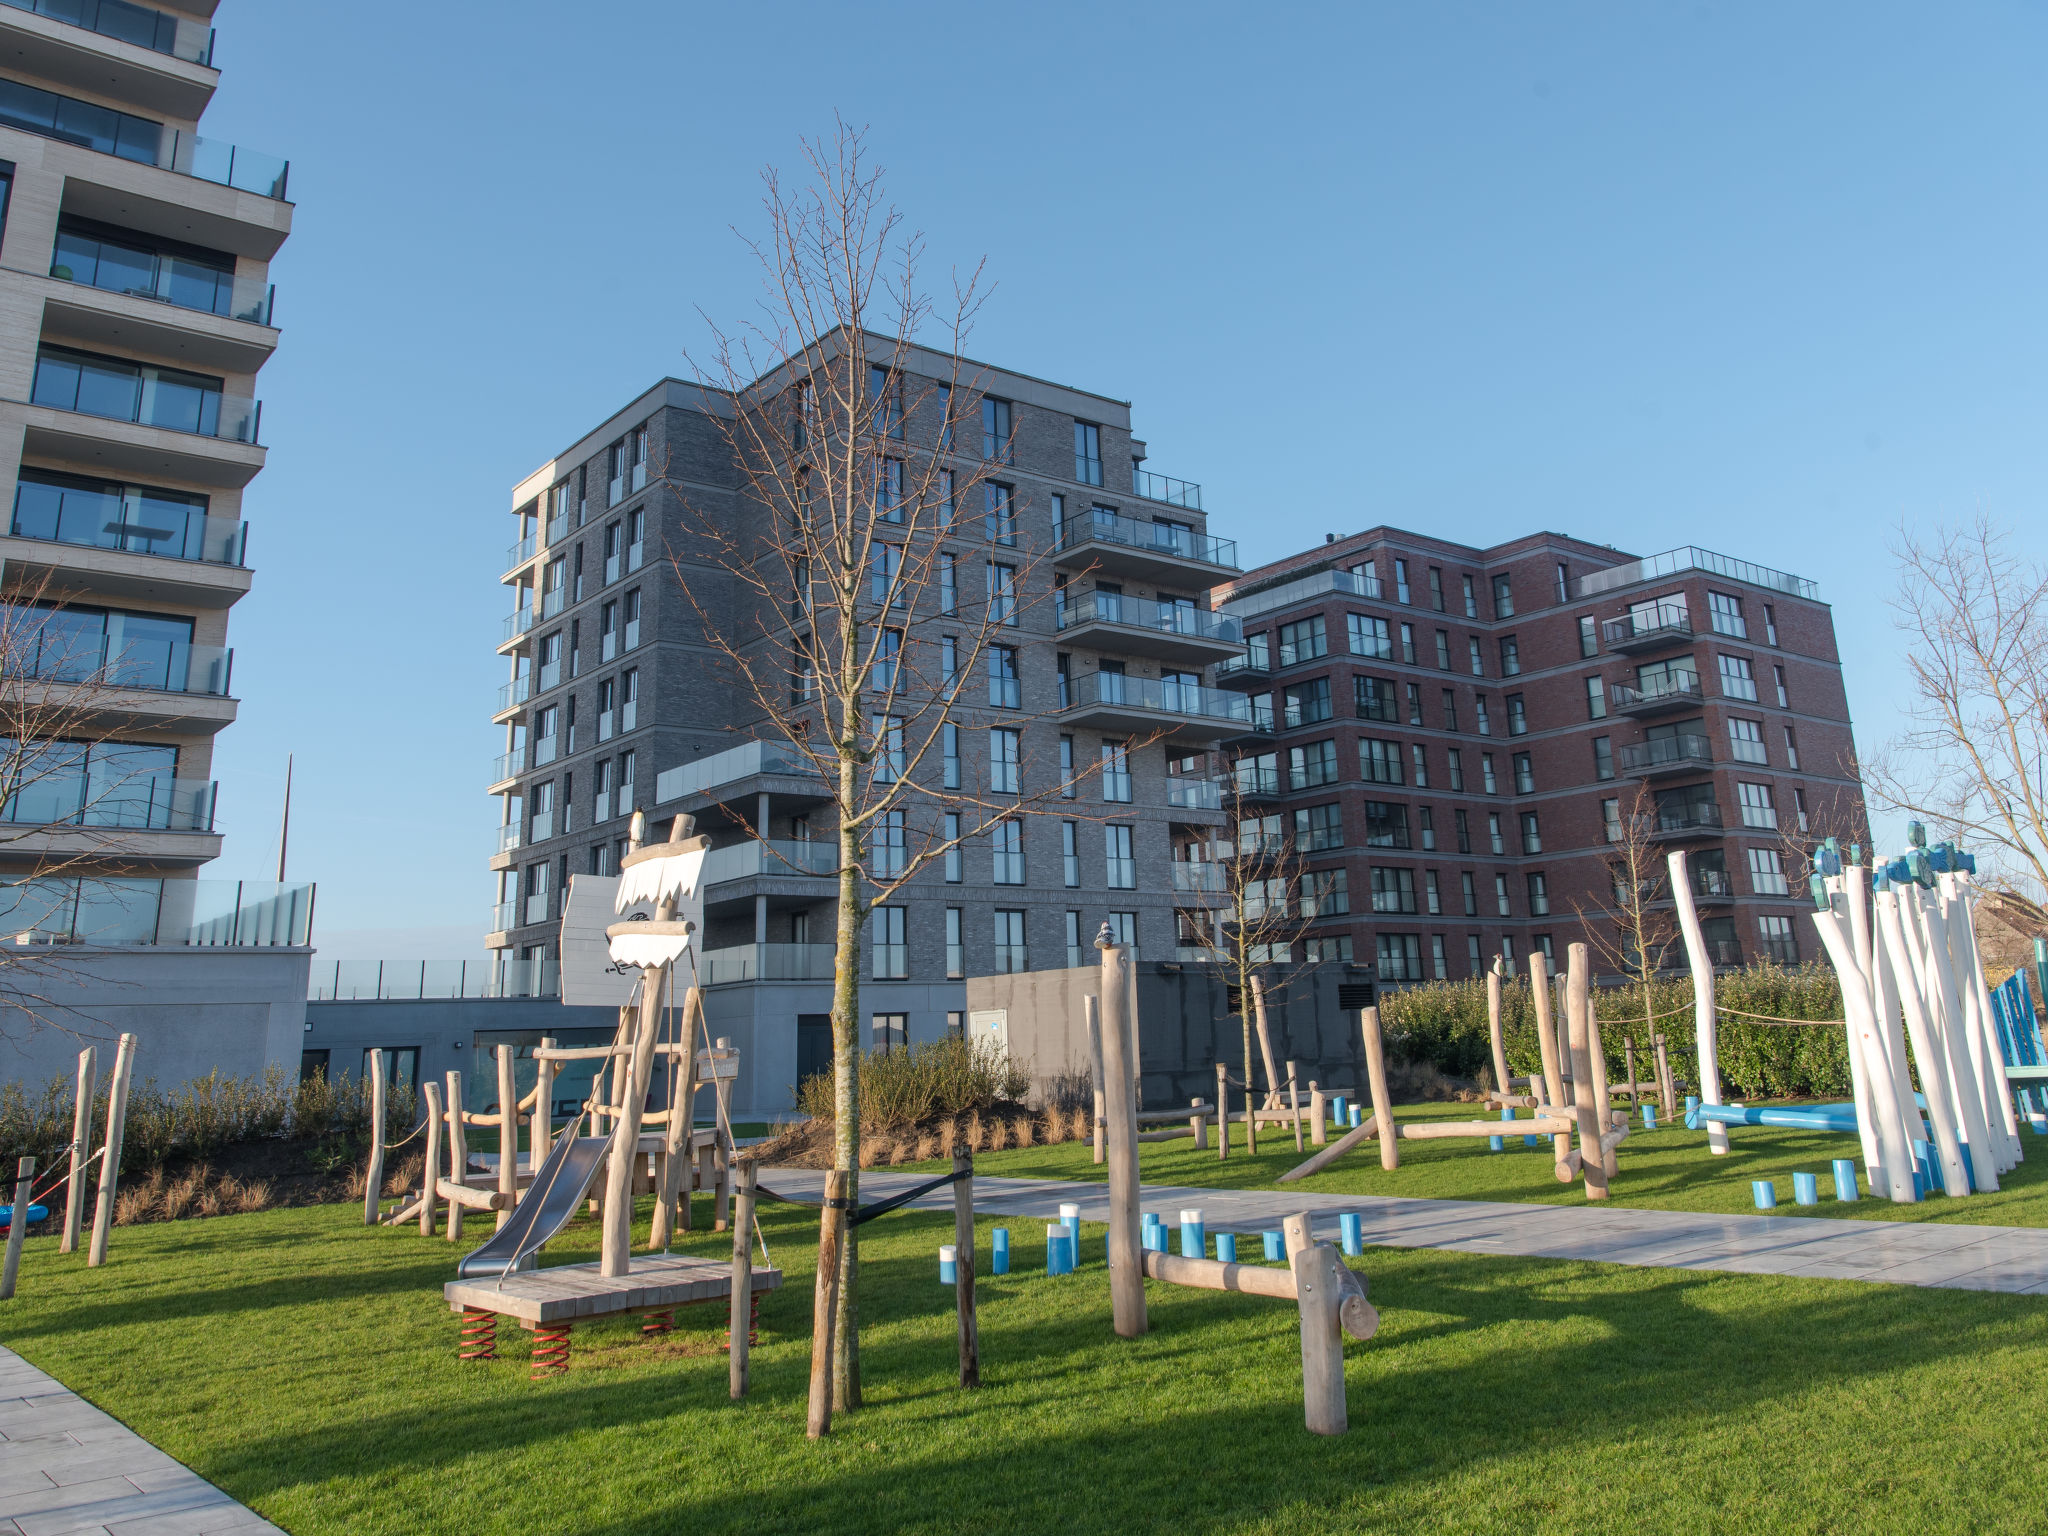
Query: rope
1771, 1018
858, 1214
393, 1146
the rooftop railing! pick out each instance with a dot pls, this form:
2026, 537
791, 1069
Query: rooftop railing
1159, 538
1301, 590
196, 913
1175, 493
1693, 558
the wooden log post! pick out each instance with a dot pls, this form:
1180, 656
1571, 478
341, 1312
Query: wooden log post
1265, 1033
430, 1180
1319, 1292
1667, 1085
1628, 1061
1093, 1018
540, 1125
110, 1158
1198, 1124
1501, 1082
458, 1154
1222, 1113
1591, 1110
634, 1075
1294, 1104
508, 1134
739, 1323
672, 1212
17, 1225
1546, 1039
1596, 1052
1376, 1076
963, 1269
81, 1134
1318, 1114
722, 1092
1126, 1266
373, 1164
825, 1302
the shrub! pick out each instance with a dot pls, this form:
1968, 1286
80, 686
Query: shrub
940, 1077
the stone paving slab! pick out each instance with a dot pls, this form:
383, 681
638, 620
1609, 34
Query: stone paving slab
1942, 1255
67, 1469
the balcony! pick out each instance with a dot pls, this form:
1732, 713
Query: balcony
506, 765
142, 803
140, 139
517, 623
515, 693
50, 655
1160, 552
518, 555
1175, 493
1137, 626
178, 37
779, 858
1674, 823
1188, 794
1139, 706
131, 522
1249, 670
133, 268
1668, 754
1724, 954
765, 962
1302, 589
1198, 878
1674, 561
1712, 885
1666, 624
1657, 696
508, 837
1255, 783
204, 914
743, 764
141, 394
504, 917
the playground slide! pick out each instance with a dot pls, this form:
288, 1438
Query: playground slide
551, 1199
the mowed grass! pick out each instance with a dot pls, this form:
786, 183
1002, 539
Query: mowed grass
307, 1365
1666, 1169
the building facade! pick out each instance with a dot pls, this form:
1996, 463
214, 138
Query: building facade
135, 315
1455, 740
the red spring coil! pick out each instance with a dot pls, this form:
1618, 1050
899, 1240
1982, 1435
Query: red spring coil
550, 1349
479, 1335
658, 1322
753, 1323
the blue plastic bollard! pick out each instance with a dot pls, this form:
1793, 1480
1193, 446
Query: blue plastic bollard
949, 1264
1806, 1188
1226, 1247
1649, 1117
1192, 1244
1765, 1193
1339, 1107
1845, 1179
1692, 1112
999, 1251
1352, 1227
1151, 1234
1275, 1245
1354, 1117
1070, 1218
1059, 1255
1495, 1144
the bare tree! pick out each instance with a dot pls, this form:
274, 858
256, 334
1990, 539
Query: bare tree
1634, 928
1973, 760
857, 644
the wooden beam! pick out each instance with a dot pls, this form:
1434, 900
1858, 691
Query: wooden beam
1126, 1267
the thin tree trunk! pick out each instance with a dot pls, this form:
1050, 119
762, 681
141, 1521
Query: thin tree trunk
846, 1103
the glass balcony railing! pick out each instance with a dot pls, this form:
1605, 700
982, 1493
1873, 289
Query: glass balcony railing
534, 977
517, 623
69, 796
1680, 819
139, 272
180, 37
1116, 689
1183, 794
536, 907
766, 962
515, 693
1301, 589
1691, 558
228, 165
1661, 621
142, 140
1144, 613
504, 917
200, 913
508, 837
558, 528
130, 520
1159, 538
506, 766
1251, 665
1654, 691
728, 767
49, 654
1198, 877
1252, 779
519, 553
143, 395
1667, 752
1712, 885
778, 857
1175, 493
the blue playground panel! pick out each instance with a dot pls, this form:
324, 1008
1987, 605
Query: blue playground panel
36, 1213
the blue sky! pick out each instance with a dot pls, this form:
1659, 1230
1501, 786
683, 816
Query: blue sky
1762, 278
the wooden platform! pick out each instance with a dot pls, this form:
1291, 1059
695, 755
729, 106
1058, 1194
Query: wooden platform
571, 1292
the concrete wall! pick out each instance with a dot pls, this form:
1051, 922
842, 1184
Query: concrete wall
193, 1010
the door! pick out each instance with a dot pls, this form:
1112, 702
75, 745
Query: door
813, 1044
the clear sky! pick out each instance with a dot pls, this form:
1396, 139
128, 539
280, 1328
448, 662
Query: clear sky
1767, 279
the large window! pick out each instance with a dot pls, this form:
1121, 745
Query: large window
1379, 762
1767, 872
888, 927
1400, 956
1369, 636
1758, 810
1302, 641
1005, 752
1393, 890
107, 784
1318, 827
999, 512
1746, 741
1116, 772
1738, 678
1386, 825
887, 850
1005, 690
1010, 951
1724, 610
1087, 453
124, 650
995, 431
1307, 703
122, 261
1312, 766
1325, 893
1376, 699
142, 393
1121, 862
79, 122
1006, 840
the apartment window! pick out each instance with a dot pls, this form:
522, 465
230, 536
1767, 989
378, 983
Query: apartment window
1464, 829
891, 949
1005, 691
1758, 810
550, 656
1799, 806
1386, 824
1746, 742
1006, 839
1116, 772
1428, 819
1472, 955
1474, 656
1450, 709
1493, 838
1471, 598
884, 576
1419, 765
1067, 789
541, 805
1393, 890
1457, 762
999, 512
1539, 895
1070, 854
1503, 598
886, 391
1433, 896
1482, 721
1307, 703
953, 858
540, 883
1724, 611
1563, 589
1005, 749
1770, 625
1784, 699
1317, 828
1379, 762
632, 613
949, 589
1302, 641
615, 473
1369, 636
995, 431
1439, 965
1596, 699
949, 754
1767, 872
1074, 951
1376, 699
1525, 775
1312, 766
1468, 887
1415, 704
1123, 929
545, 743
614, 557
1401, 581
1518, 715
1265, 898
1329, 948
1780, 945
1738, 680
1532, 833
629, 699
1487, 780
1436, 589
1791, 750
1510, 657
636, 539
1408, 644
1589, 636
803, 687
601, 801
552, 587
1368, 575
119, 390
1327, 893
1002, 594
626, 761
1087, 453
1122, 865
888, 650
956, 948
1400, 956
887, 734
1603, 757
887, 850
1443, 650
1010, 953
1500, 896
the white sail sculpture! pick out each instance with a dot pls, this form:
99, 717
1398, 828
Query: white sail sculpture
669, 877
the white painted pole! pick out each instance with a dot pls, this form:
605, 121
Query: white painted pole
1980, 988
1702, 966
1842, 892
1893, 1030
81, 1134
1927, 1054
1948, 1007
1887, 1156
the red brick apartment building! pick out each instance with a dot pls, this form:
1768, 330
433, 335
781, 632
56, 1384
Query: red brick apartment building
1451, 736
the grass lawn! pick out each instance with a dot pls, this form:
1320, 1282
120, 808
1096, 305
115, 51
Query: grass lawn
307, 1366
1667, 1169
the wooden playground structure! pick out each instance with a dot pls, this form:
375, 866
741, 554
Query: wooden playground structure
75, 1163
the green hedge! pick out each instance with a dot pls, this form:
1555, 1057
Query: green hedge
1444, 1023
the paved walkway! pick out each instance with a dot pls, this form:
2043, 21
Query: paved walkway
67, 1467
1950, 1255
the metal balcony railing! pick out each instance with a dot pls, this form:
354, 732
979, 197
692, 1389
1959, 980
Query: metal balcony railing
1159, 538
116, 911
1667, 752
1144, 613
1098, 689
1666, 621
1704, 817
1175, 493
1653, 692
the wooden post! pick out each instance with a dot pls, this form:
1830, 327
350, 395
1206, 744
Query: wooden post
1092, 1014
458, 1154
1198, 1122
540, 1125
110, 1159
1319, 1292
1500, 1050
1222, 1113
675, 1141
1294, 1103
81, 1133
1272, 1099
1591, 1111
825, 1302
741, 1320
1628, 1061
1318, 1114
1546, 1041
722, 1092
508, 1134
963, 1269
17, 1224
1376, 1075
634, 1073
373, 1166
1596, 1053
1126, 1266
430, 1188
1666, 1084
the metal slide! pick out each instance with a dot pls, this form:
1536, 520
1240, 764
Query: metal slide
550, 1200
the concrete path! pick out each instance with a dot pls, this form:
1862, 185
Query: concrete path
67, 1467
2013, 1259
